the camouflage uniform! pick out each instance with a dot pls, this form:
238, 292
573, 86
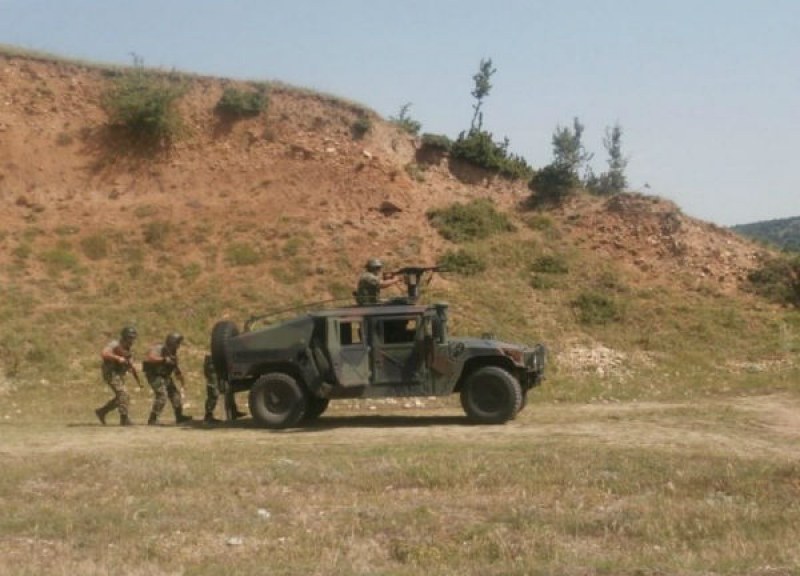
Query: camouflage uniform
159, 366
369, 289
213, 392
117, 357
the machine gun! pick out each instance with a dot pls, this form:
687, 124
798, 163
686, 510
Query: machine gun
412, 276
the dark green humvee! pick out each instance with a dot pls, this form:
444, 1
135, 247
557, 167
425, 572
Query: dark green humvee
293, 368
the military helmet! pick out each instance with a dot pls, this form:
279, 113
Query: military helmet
374, 264
128, 333
174, 340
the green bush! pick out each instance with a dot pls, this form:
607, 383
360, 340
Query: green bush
778, 279
462, 262
361, 127
596, 308
144, 104
552, 184
478, 148
473, 221
237, 103
437, 141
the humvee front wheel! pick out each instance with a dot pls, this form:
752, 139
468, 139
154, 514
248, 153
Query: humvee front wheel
277, 401
491, 396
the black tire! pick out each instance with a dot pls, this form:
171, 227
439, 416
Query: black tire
491, 396
524, 401
277, 401
315, 407
220, 334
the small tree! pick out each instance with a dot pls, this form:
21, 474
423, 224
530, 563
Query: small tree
482, 88
405, 122
477, 146
568, 150
613, 181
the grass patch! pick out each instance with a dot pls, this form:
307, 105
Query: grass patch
405, 501
596, 308
242, 254
476, 220
156, 232
95, 246
462, 262
550, 264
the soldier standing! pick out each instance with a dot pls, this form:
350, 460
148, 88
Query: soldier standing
117, 361
159, 366
371, 282
213, 391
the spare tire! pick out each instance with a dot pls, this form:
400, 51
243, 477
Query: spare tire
220, 334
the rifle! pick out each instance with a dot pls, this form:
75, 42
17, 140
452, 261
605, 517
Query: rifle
132, 369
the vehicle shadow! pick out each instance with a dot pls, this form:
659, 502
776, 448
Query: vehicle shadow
330, 422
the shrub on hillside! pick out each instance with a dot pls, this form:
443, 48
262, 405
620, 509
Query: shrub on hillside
596, 308
552, 185
144, 104
437, 141
462, 262
476, 220
478, 148
778, 279
361, 127
405, 122
236, 103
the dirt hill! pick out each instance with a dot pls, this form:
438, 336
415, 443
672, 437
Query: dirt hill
282, 208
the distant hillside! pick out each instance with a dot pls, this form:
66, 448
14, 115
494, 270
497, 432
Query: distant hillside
244, 215
784, 232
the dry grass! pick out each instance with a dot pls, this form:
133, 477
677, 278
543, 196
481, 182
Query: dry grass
595, 489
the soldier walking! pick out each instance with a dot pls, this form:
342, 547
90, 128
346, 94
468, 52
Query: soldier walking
159, 366
118, 361
213, 391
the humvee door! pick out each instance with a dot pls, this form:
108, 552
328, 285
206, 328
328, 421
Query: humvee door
349, 352
397, 343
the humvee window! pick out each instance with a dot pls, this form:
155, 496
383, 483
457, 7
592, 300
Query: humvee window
398, 330
350, 332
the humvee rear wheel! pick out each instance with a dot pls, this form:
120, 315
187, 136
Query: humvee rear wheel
491, 396
220, 334
315, 407
277, 401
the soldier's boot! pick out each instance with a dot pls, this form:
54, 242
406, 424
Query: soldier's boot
153, 420
209, 419
101, 415
236, 414
124, 420
180, 417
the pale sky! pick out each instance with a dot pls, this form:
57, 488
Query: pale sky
707, 91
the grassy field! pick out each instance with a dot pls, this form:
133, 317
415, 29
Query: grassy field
709, 486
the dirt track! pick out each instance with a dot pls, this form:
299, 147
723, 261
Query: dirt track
759, 426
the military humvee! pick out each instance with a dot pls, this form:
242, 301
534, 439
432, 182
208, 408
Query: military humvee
293, 368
